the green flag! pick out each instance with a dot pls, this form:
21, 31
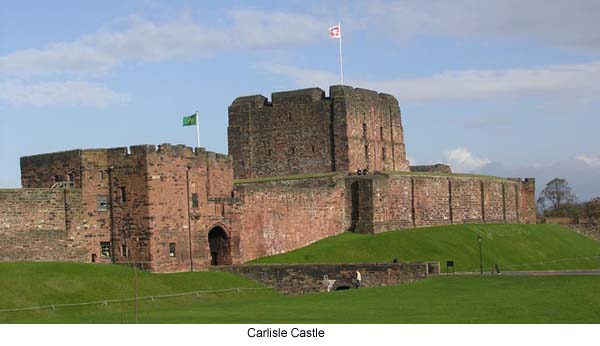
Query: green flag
189, 120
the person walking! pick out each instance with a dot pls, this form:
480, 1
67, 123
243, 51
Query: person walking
358, 279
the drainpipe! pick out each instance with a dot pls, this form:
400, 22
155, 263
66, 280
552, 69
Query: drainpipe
112, 216
187, 181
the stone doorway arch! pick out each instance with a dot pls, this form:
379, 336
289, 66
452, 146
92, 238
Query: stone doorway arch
219, 244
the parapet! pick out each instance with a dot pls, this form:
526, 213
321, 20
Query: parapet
48, 158
123, 154
298, 96
438, 168
255, 101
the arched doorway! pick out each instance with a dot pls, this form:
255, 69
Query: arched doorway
219, 245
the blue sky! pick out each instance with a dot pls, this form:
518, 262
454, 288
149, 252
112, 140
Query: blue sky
488, 87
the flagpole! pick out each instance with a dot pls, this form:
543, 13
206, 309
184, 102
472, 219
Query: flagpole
341, 61
197, 131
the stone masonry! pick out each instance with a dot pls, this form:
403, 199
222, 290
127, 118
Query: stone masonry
303, 131
307, 278
290, 180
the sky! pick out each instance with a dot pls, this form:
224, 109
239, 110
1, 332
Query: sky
488, 87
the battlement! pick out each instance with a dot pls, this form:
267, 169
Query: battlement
307, 95
178, 150
44, 170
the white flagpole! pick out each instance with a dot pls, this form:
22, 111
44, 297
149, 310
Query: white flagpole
197, 131
341, 61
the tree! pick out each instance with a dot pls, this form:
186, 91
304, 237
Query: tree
592, 209
557, 198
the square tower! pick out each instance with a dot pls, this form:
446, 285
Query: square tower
302, 131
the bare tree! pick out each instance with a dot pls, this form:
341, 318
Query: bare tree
556, 196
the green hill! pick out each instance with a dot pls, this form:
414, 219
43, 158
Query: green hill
512, 247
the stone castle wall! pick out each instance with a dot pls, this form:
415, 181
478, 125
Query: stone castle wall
383, 202
303, 131
280, 216
149, 194
174, 208
308, 278
35, 225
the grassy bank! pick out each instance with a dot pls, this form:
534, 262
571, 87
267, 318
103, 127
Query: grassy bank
513, 247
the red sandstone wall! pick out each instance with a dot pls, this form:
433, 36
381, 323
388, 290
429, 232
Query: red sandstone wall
431, 201
527, 211
172, 171
42, 171
493, 201
374, 126
393, 207
281, 216
511, 193
33, 226
94, 225
291, 135
440, 200
466, 200
301, 132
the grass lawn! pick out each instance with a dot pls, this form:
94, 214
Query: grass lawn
513, 247
458, 299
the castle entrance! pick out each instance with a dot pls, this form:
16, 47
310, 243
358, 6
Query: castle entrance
219, 244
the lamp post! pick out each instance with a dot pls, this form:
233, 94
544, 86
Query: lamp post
479, 240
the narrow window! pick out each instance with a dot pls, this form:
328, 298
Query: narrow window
381, 133
102, 203
101, 175
105, 248
124, 250
269, 152
290, 116
313, 148
171, 249
367, 153
293, 151
56, 178
123, 194
194, 200
364, 130
383, 153
71, 177
222, 209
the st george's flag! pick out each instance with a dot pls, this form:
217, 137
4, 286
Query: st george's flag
335, 31
190, 120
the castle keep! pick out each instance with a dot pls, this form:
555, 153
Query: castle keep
290, 179
303, 131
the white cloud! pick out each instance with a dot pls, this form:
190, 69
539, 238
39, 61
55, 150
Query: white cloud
590, 160
143, 40
59, 94
578, 81
569, 24
462, 160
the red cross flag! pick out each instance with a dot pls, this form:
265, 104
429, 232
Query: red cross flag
335, 31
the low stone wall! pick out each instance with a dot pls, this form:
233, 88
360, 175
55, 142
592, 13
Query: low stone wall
307, 278
589, 230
